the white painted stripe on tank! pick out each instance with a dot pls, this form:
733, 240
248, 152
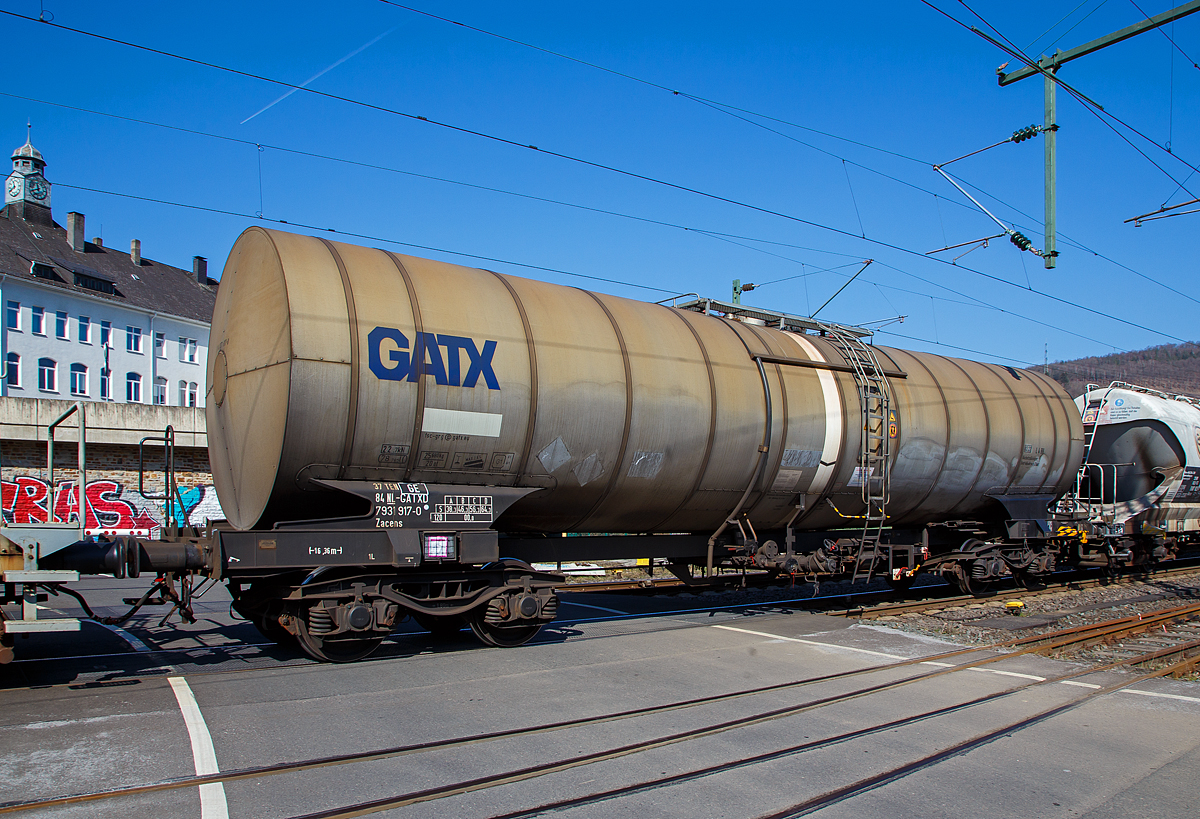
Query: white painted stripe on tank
833, 418
461, 422
212, 795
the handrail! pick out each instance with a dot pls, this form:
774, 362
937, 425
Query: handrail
81, 453
170, 494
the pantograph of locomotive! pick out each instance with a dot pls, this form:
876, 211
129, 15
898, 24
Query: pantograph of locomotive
392, 436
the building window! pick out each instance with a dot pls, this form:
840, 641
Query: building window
105, 384
133, 339
160, 345
37, 322
79, 385
192, 394
12, 369
106, 334
187, 350
85, 330
160, 390
183, 393
47, 375
133, 388
12, 315
60, 325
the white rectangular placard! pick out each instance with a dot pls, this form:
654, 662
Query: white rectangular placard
461, 422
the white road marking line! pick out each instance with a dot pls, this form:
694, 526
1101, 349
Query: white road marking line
212, 795
562, 602
134, 642
1157, 694
1033, 677
812, 643
781, 638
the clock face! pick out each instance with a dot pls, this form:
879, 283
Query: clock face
38, 188
14, 186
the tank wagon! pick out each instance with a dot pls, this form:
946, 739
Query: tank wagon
1139, 485
393, 436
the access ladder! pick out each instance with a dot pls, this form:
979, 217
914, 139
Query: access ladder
873, 473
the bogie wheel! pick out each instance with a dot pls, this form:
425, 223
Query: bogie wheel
269, 627
441, 627
506, 637
1028, 580
967, 584
343, 650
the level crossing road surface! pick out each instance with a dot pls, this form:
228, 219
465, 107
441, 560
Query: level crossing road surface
100, 709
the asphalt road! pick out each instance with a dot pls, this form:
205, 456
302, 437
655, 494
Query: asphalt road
117, 714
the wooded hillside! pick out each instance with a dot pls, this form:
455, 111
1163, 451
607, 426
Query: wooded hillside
1173, 368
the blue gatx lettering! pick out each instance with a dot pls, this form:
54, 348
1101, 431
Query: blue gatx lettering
390, 359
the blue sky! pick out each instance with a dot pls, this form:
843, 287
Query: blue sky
880, 92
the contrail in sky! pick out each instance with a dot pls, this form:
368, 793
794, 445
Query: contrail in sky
319, 74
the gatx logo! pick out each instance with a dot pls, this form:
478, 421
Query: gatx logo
391, 358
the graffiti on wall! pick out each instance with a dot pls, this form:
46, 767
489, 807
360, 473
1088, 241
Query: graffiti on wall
111, 506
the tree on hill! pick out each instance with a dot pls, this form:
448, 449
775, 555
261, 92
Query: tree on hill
1170, 368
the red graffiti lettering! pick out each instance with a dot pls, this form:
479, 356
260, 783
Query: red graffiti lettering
29, 501
106, 507
66, 503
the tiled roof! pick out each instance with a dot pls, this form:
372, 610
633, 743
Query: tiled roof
148, 286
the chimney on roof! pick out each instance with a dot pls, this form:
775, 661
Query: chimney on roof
135, 251
97, 241
200, 269
75, 231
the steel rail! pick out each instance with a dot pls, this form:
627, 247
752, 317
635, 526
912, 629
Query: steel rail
892, 774
688, 776
1026, 645
532, 772
1014, 594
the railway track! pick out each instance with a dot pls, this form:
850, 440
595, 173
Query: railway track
120, 668
1181, 656
867, 611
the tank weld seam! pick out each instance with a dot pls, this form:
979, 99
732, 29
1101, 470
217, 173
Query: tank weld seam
987, 435
531, 421
1021, 414
1054, 419
712, 419
945, 449
778, 459
419, 328
274, 364
621, 453
352, 317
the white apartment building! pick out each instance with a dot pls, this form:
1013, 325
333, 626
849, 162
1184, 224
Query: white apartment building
82, 321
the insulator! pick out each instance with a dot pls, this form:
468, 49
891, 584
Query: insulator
1022, 134
1021, 240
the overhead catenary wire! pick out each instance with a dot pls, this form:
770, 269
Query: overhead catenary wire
365, 236
586, 162
581, 161
735, 111
724, 106
1097, 110
479, 257
735, 239
1170, 39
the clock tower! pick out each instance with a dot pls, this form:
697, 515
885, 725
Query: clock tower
26, 191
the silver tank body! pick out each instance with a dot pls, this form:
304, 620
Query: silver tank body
1142, 439
329, 360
